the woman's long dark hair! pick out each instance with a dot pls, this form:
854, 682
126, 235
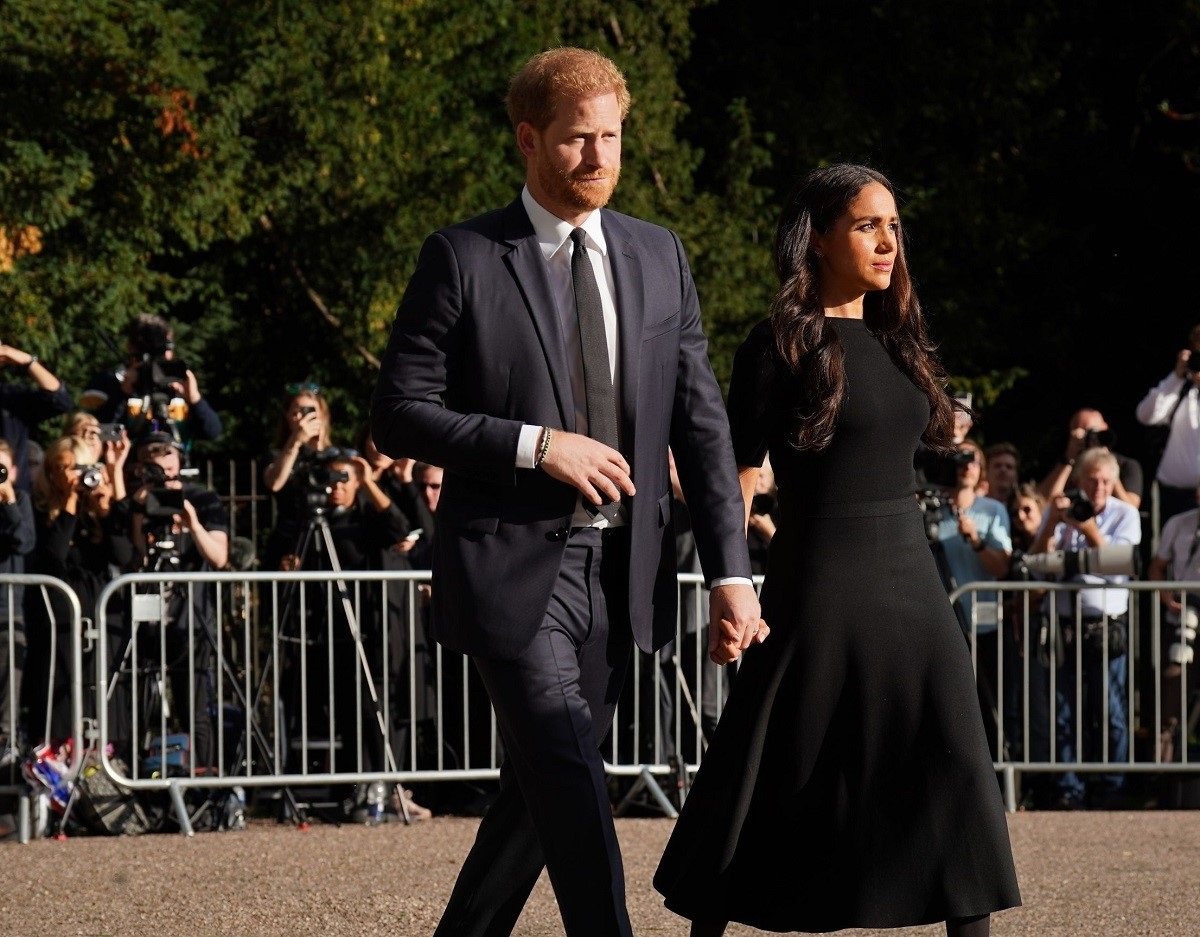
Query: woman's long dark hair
810, 346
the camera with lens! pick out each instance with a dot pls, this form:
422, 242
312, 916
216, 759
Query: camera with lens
3, 474
1111, 559
319, 476
941, 468
91, 476
157, 372
936, 506
162, 503
1099, 438
1081, 507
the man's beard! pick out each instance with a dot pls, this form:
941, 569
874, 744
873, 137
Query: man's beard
578, 194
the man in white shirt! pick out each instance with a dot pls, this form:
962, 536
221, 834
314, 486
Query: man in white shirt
1099, 614
1174, 403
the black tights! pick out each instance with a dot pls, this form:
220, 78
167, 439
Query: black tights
955, 927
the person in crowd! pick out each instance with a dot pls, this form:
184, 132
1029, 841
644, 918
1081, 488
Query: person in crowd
1027, 633
151, 391
23, 407
178, 525
427, 482
16, 543
855, 728
85, 427
1177, 559
1003, 474
975, 546
529, 580
84, 540
1174, 405
363, 524
1098, 519
1087, 429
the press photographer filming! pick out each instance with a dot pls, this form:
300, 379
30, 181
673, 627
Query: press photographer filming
181, 526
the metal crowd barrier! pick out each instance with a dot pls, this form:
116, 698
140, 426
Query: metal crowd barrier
62, 668
1037, 726
301, 681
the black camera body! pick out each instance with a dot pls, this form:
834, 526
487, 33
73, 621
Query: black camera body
162, 503
318, 476
1099, 438
1081, 507
937, 505
941, 468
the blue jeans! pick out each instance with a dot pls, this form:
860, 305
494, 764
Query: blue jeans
1070, 783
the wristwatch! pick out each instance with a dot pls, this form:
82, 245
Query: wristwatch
33, 359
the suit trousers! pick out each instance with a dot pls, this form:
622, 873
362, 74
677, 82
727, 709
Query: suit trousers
554, 704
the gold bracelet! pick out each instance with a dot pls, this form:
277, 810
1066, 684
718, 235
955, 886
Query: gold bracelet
543, 448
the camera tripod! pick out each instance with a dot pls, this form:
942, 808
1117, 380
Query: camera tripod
318, 537
162, 556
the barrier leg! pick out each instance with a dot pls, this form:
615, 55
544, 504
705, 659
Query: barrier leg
646, 782
24, 834
1010, 788
181, 814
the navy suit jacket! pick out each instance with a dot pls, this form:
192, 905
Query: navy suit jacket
477, 351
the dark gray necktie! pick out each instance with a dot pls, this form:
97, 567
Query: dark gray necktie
593, 341
597, 377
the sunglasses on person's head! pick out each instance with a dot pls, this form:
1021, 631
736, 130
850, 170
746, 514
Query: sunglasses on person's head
303, 387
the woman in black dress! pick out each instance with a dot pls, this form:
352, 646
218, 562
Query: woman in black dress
849, 783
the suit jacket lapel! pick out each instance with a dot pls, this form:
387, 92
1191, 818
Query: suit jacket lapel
631, 314
529, 268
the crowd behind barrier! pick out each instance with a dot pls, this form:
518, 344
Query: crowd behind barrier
195, 633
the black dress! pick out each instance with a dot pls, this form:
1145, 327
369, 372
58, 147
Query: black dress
849, 783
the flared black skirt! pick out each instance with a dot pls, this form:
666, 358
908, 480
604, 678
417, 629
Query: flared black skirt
849, 783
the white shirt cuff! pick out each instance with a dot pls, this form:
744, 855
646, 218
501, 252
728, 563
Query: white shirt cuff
527, 445
731, 581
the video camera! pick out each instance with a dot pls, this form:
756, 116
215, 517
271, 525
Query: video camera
318, 476
157, 372
162, 503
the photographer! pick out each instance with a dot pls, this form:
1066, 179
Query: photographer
363, 523
23, 407
16, 542
974, 545
1174, 405
1089, 518
1003, 474
152, 391
1088, 429
304, 429
180, 526
1177, 559
82, 539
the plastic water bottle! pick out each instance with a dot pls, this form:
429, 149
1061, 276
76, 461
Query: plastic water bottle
376, 794
235, 809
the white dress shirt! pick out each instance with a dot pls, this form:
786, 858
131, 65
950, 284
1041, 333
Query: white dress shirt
554, 239
1180, 464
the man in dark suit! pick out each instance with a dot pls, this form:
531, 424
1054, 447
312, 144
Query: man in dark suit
546, 354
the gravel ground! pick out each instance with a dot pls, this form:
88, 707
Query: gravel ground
1081, 873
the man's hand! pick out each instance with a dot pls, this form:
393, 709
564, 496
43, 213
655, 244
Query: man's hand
735, 622
599, 473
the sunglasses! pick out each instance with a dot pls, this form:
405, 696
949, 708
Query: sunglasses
303, 387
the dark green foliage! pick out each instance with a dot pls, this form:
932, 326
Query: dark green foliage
264, 174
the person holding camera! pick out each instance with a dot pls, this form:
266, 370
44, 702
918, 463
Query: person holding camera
1177, 559
1082, 519
1173, 406
1002, 477
1088, 429
181, 526
82, 539
152, 390
23, 407
16, 542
